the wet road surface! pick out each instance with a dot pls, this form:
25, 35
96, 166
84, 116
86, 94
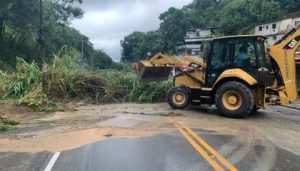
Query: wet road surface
169, 151
175, 150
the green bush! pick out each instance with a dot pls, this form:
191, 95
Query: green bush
62, 79
58, 77
16, 85
123, 86
6, 125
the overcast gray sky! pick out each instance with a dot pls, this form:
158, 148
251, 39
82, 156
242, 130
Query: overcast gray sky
106, 22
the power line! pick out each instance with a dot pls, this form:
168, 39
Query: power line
40, 26
16, 17
19, 18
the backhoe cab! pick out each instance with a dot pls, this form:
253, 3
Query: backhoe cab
236, 73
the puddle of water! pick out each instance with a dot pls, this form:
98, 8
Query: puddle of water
121, 122
28, 129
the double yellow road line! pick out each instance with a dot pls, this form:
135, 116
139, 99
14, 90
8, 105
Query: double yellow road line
217, 161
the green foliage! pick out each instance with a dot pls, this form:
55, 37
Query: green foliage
61, 79
37, 88
19, 83
124, 87
289, 5
228, 16
113, 86
233, 11
58, 76
172, 31
52, 106
19, 32
101, 60
139, 45
259, 7
6, 125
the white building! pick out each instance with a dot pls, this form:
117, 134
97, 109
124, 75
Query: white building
192, 42
275, 30
198, 33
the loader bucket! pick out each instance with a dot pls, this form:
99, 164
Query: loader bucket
146, 72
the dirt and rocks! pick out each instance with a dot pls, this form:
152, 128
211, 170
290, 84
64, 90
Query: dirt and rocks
90, 123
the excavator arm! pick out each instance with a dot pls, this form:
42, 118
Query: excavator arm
159, 67
283, 55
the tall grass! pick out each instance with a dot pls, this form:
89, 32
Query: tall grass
37, 87
62, 79
123, 86
18, 84
58, 77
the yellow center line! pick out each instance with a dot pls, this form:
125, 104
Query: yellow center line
213, 163
226, 163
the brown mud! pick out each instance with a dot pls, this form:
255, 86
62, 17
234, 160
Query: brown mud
91, 123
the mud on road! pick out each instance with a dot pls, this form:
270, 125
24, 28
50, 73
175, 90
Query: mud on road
68, 130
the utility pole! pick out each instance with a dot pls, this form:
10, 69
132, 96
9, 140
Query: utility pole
41, 32
82, 49
2, 25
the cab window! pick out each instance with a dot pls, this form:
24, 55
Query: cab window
244, 54
204, 50
220, 60
261, 55
220, 56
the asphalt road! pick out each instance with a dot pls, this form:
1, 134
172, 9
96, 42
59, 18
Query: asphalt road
185, 149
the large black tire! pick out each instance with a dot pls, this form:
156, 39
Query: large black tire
179, 104
234, 99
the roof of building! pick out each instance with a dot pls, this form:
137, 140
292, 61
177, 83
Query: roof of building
226, 37
237, 36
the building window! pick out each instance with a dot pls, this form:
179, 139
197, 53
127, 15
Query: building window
260, 28
275, 38
267, 27
273, 26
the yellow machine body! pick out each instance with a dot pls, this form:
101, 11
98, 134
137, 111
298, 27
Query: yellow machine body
283, 53
202, 79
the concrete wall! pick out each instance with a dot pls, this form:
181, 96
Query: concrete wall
275, 30
273, 38
267, 29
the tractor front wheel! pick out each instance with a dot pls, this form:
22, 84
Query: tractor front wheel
179, 97
234, 99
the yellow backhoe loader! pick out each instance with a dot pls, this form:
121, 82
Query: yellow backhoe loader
236, 73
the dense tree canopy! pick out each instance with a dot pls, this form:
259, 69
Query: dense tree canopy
101, 60
173, 26
19, 31
139, 45
229, 17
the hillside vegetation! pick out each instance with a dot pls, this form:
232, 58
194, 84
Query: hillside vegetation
20, 33
229, 17
60, 80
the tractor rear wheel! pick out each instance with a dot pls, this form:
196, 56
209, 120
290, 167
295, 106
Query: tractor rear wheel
234, 99
179, 97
